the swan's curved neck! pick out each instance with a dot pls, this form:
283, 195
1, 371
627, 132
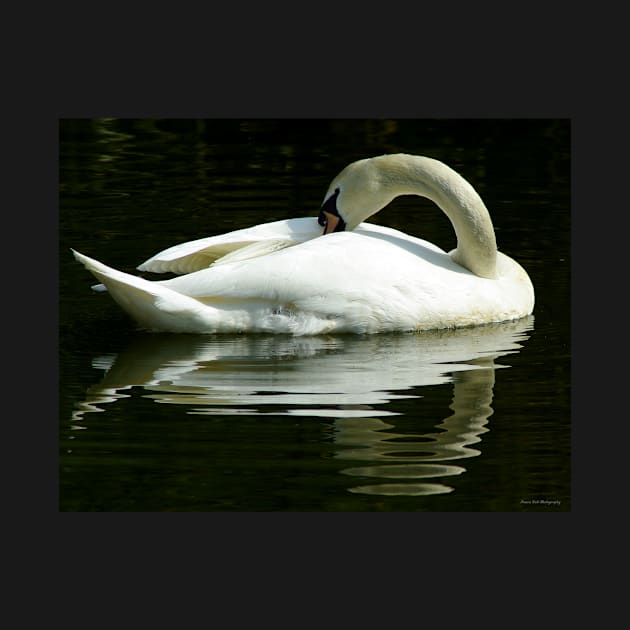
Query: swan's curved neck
418, 175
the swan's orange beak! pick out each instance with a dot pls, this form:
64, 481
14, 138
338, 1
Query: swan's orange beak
330, 222
329, 216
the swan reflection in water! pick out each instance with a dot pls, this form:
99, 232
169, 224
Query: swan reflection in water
350, 379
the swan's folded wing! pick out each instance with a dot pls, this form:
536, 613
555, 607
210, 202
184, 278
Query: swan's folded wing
255, 249
237, 245
186, 258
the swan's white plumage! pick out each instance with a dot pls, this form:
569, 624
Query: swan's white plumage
239, 244
283, 277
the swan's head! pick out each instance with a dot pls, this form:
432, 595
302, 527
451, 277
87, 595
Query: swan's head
358, 192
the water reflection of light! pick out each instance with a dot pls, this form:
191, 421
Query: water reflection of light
353, 380
472, 397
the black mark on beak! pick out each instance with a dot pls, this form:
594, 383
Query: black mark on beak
329, 209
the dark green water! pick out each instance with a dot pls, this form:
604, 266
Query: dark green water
476, 420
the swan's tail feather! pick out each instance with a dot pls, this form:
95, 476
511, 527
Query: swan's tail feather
150, 304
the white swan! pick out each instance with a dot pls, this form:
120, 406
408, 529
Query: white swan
284, 277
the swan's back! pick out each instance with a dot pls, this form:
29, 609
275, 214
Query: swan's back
373, 279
